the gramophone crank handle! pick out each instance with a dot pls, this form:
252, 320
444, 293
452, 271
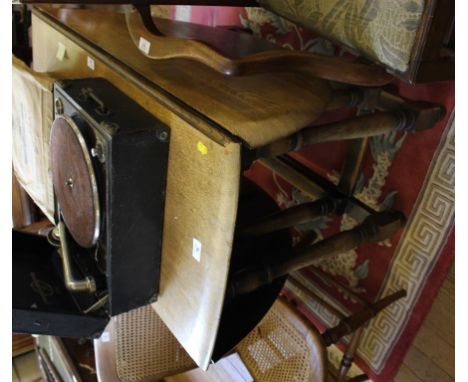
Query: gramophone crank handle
72, 284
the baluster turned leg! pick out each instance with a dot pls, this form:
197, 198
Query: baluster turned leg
292, 216
368, 125
357, 127
347, 98
348, 356
375, 228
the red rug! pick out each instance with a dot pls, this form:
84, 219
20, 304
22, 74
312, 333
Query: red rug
413, 173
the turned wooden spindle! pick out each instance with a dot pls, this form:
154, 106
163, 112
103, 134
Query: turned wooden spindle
289, 217
358, 127
348, 356
352, 323
359, 378
353, 97
375, 228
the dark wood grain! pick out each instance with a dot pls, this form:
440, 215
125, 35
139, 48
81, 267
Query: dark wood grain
427, 62
291, 216
353, 128
375, 228
73, 184
382, 122
22, 343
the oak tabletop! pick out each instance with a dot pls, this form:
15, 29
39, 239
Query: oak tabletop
256, 109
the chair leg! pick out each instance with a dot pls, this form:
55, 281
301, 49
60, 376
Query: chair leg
348, 356
356, 321
375, 228
341, 98
368, 125
357, 127
350, 172
292, 216
359, 378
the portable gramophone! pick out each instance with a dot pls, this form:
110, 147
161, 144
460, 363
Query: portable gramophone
109, 163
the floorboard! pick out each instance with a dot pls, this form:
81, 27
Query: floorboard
431, 357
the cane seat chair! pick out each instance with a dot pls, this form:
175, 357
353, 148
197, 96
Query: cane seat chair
138, 347
285, 346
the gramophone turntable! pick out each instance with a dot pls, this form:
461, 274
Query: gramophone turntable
109, 164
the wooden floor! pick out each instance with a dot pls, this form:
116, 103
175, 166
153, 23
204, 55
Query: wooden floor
431, 357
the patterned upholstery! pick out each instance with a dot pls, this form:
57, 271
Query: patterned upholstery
383, 30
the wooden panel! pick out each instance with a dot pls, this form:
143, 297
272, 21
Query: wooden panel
22, 343
253, 108
40, 227
205, 192
201, 199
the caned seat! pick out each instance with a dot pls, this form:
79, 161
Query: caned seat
284, 347
138, 347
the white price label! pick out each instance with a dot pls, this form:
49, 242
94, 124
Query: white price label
90, 62
105, 337
144, 45
61, 51
196, 249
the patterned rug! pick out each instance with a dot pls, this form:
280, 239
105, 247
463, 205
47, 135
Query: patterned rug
413, 173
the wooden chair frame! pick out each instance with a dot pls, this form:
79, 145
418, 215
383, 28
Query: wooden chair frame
427, 63
435, 35
349, 325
